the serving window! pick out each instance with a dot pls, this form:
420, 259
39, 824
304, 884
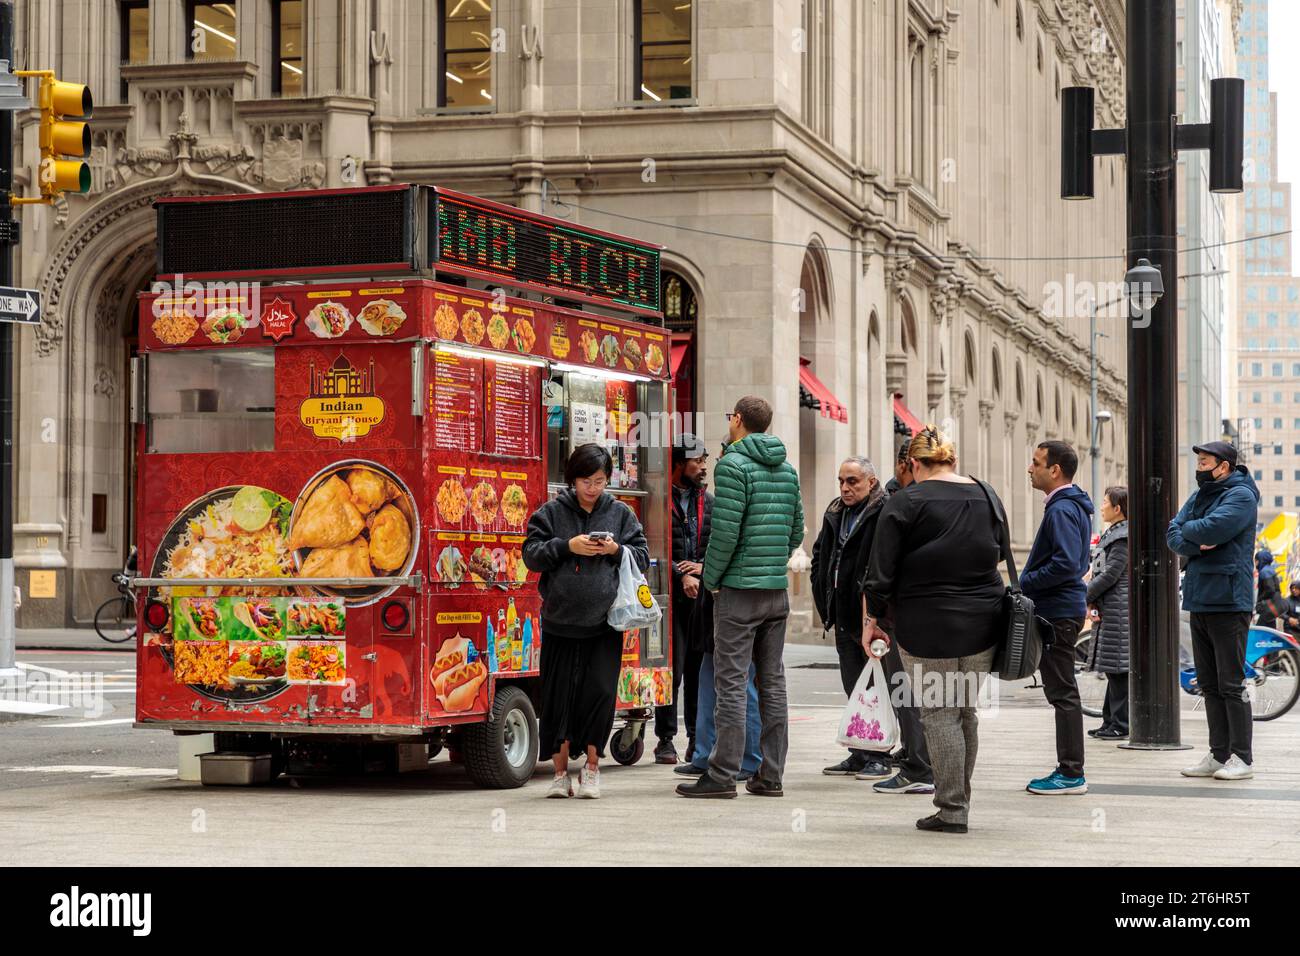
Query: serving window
211, 400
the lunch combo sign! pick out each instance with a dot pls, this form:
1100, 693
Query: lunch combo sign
341, 403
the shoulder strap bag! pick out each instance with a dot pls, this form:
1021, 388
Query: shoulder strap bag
1021, 647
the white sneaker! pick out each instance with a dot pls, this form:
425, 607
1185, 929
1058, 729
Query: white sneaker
561, 787
1206, 768
589, 783
1235, 769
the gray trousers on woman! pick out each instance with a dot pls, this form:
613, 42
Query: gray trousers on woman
946, 691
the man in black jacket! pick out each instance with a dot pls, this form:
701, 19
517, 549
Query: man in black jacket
692, 522
839, 564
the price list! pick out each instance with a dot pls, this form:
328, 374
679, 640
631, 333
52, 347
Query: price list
512, 410
455, 402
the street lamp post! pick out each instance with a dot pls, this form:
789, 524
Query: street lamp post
1150, 142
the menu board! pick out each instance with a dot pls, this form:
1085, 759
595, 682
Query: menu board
513, 402
455, 401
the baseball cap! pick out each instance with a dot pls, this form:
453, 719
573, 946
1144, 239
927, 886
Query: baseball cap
687, 447
1221, 450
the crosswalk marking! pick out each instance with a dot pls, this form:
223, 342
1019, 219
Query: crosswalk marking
98, 772
93, 723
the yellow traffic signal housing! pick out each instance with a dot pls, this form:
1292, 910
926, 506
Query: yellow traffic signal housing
63, 140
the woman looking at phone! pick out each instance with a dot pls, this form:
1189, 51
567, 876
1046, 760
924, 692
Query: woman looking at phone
576, 541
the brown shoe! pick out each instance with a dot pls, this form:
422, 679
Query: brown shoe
761, 788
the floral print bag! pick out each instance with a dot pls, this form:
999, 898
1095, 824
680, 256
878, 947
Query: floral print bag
868, 722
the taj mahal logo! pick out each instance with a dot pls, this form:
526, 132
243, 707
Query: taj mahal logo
342, 403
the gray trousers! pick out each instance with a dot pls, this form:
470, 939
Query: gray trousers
950, 723
749, 625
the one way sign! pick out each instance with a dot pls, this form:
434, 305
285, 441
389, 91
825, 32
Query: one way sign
20, 305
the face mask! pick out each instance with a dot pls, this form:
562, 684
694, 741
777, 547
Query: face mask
1204, 478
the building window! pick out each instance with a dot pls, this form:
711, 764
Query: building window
286, 41
680, 308
1259, 475
918, 114
1256, 397
211, 30
663, 50
1256, 369
1277, 501
134, 26
1277, 474
1277, 423
465, 54
1277, 369
1277, 449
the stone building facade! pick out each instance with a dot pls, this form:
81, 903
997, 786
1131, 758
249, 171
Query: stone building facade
870, 185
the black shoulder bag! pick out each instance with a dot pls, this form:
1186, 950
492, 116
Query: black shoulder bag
1021, 647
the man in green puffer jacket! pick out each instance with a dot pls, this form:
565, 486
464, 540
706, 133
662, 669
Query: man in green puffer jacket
757, 523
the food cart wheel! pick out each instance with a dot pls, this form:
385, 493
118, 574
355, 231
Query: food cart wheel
501, 752
628, 743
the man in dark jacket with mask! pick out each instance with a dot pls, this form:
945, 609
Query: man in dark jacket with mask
1053, 580
1215, 532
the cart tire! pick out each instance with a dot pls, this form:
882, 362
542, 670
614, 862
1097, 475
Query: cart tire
624, 752
501, 752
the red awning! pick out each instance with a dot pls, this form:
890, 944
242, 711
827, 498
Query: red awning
678, 353
831, 407
904, 415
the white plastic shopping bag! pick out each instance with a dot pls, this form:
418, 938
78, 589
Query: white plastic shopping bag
634, 606
868, 722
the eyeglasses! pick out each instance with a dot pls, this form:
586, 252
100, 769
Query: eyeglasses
730, 415
591, 484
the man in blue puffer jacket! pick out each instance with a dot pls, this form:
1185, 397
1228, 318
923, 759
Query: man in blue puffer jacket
1215, 532
1053, 580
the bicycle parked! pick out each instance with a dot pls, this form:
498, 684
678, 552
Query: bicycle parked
115, 620
1272, 674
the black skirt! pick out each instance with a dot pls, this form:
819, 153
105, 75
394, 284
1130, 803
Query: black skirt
579, 687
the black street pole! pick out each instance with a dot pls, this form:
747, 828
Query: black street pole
1153, 376
7, 636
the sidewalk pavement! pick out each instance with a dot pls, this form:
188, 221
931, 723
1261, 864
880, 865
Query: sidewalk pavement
1139, 810
65, 639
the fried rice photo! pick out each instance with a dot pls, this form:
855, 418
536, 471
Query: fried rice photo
381, 317
214, 543
483, 503
200, 662
472, 326
452, 501
445, 322
514, 505
498, 330
318, 662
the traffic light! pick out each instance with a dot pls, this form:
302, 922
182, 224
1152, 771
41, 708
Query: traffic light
65, 138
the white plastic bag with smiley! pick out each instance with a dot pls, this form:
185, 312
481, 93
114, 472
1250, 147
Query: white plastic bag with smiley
634, 606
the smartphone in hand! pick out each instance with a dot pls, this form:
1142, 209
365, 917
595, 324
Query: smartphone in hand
601, 536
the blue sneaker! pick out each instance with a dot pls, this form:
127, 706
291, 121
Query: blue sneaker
1057, 783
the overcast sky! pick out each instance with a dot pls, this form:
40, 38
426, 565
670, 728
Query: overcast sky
1284, 79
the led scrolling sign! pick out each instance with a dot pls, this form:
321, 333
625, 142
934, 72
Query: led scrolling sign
535, 251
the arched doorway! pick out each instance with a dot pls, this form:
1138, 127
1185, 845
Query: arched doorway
75, 472
817, 352
681, 318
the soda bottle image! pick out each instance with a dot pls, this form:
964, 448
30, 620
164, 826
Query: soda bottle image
491, 647
514, 627
503, 643
530, 650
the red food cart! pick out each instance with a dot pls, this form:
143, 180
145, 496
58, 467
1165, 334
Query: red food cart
335, 475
